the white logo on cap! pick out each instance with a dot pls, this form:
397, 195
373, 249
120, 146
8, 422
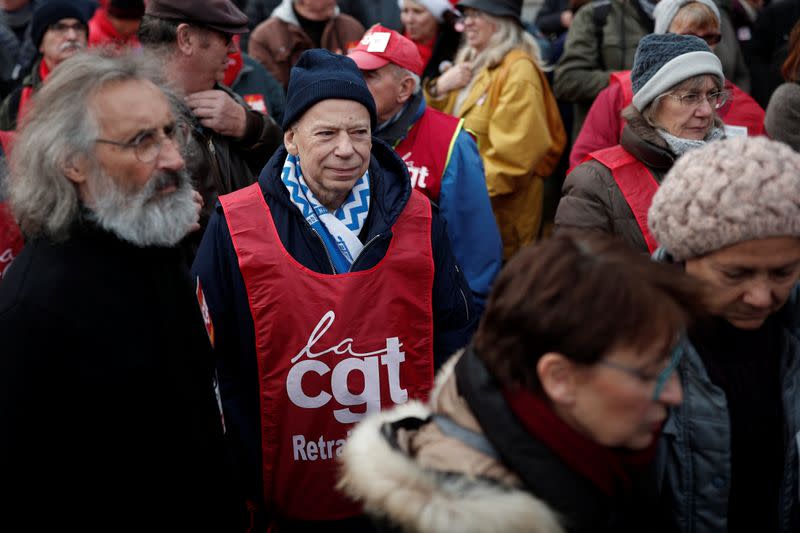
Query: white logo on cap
376, 41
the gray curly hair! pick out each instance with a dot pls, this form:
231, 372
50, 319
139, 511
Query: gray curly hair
60, 127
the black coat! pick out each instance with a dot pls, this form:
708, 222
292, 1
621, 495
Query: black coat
108, 416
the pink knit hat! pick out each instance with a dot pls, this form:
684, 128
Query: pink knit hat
727, 192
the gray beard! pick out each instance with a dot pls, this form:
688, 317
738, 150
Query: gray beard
144, 218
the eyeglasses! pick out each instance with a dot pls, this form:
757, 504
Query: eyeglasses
716, 99
660, 379
62, 27
147, 144
710, 38
225, 36
471, 14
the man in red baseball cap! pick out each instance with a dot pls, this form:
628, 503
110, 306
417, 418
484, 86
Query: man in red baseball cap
442, 159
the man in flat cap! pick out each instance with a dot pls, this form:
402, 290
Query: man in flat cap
193, 40
333, 294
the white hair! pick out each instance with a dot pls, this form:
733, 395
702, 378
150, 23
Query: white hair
507, 36
60, 128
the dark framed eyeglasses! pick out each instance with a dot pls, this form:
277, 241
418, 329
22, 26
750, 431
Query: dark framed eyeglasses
147, 144
659, 380
225, 36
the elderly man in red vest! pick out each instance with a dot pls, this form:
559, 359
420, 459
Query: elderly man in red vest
442, 159
332, 294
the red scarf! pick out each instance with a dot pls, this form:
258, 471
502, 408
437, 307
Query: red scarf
426, 48
235, 64
609, 469
27, 92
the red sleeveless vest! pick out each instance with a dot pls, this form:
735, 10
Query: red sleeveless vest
426, 150
331, 349
637, 184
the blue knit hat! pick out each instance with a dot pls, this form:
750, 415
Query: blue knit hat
663, 61
47, 13
322, 75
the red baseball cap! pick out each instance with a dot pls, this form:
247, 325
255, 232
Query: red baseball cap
381, 46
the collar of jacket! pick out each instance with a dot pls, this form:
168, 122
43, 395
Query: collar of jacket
538, 467
390, 187
409, 115
285, 12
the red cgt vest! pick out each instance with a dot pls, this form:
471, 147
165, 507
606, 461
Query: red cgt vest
331, 349
637, 184
427, 148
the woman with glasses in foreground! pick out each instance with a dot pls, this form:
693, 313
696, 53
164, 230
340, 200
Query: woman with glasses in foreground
549, 420
677, 89
603, 125
729, 214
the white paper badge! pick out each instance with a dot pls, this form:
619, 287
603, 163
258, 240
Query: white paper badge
378, 41
735, 131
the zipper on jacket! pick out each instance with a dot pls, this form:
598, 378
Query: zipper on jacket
327, 254
361, 253
218, 180
463, 296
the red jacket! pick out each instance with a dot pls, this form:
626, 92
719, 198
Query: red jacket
102, 32
603, 124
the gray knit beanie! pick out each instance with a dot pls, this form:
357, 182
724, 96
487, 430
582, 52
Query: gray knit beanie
782, 120
727, 192
663, 61
667, 9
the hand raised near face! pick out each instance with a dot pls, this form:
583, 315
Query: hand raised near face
218, 111
454, 78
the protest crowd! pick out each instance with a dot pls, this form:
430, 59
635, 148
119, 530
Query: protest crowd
400, 266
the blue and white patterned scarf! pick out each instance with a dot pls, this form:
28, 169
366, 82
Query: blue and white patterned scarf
339, 231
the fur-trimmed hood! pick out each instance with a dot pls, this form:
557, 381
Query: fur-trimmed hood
395, 487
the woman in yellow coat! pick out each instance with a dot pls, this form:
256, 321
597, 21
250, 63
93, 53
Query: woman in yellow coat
499, 89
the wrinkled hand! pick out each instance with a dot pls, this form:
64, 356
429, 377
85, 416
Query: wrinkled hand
455, 78
199, 203
219, 112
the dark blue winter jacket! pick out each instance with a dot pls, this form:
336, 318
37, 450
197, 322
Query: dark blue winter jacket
217, 266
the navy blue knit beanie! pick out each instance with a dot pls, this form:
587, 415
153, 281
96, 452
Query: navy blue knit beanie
665, 60
51, 11
322, 75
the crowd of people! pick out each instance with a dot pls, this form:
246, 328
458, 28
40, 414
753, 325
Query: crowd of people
294, 265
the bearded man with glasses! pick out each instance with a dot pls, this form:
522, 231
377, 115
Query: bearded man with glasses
106, 369
678, 87
59, 30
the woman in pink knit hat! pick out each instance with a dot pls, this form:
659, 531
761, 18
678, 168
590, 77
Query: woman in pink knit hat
729, 213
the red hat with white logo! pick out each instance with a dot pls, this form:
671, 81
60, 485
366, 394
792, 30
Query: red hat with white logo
381, 46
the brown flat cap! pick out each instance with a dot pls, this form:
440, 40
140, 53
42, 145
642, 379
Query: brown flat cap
221, 15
